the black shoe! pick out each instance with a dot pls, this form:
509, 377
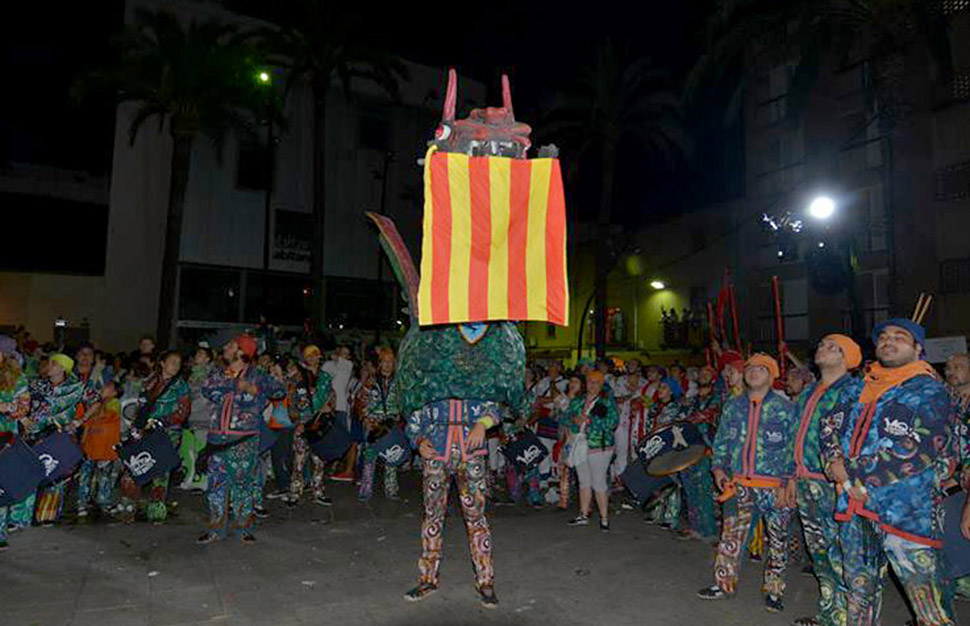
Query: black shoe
774, 604
806, 621
260, 512
713, 593
420, 592
248, 539
323, 501
207, 537
487, 598
605, 525
580, 520
278, 495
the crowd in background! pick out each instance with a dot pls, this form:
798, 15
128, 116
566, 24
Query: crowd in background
787, 458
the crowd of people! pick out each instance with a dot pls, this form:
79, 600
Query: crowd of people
846, 461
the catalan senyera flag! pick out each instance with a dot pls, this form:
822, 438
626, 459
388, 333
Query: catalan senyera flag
494, 244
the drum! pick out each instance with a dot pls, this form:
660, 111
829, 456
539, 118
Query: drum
955, 547
672, 448
640, 484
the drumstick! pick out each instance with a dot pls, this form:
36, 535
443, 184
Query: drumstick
919, 305
926, 308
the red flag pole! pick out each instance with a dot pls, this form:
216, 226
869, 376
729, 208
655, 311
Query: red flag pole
779, 325
733, 303
711, 334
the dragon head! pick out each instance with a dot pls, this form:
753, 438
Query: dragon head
491, 131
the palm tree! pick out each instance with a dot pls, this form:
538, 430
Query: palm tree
193, 78
617, 98
324, 45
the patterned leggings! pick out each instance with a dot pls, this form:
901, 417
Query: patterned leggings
232, 474
366, 487
867, 549
470, 477
96, 481
302, 452
739, 513
816, 508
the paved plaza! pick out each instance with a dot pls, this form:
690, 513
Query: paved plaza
350, 565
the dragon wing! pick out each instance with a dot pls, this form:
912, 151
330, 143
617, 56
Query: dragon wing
400, 259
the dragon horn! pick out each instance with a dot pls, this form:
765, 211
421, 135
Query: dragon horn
451, 97
507, 94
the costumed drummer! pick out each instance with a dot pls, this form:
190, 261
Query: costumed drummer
752, 465
14, 406
241, 392
815, 496
890, 445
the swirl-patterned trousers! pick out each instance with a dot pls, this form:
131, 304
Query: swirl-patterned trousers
470, 478
867, 548
750, 504
816, 509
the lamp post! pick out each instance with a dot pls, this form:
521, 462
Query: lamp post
265, 81
821, 209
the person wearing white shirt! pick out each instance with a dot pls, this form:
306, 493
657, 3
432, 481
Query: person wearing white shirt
341, 369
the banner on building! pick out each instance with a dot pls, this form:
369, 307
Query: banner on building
494, 244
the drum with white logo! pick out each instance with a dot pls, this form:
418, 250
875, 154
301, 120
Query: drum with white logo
672, 448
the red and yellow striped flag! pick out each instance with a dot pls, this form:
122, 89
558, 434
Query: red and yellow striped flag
494, 245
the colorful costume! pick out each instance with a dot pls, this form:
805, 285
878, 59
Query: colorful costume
100, 469
171, 404
461, 362
446, 424
372, 406
14, 406
234, 437
305, 409
895, 431
703, 409
751, 447
52, 406
816, 498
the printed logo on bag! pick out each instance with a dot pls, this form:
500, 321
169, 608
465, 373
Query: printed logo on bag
50, 463
393, 454
529, 455
653, 445
679, 441
140, 463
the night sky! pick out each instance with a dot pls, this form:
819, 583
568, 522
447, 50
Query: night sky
541, 44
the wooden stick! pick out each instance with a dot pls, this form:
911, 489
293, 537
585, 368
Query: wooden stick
733, 304
926, 308
919, 305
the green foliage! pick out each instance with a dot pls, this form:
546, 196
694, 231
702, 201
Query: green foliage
195, 77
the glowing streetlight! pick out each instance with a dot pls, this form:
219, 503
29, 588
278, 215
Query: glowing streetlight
264, 77
658, 284
821, 208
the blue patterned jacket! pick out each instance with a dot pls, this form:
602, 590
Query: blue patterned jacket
447, 423
901, 447
752, 440
238, 414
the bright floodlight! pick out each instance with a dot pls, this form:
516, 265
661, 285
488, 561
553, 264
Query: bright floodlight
821, 208
658, 284
264, 77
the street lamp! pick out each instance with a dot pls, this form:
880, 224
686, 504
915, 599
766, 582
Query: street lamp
658, 284
821, 208
264, 77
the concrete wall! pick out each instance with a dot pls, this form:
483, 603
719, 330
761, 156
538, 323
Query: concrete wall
35, 300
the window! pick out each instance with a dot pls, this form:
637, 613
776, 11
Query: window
356, 302
284, 300
251, 165
873, 212
550, 331
955, 276
209, 295
872, 291
953, 182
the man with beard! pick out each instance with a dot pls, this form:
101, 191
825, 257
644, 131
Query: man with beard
241, 392
890, 445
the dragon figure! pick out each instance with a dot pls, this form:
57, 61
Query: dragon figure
455, 381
